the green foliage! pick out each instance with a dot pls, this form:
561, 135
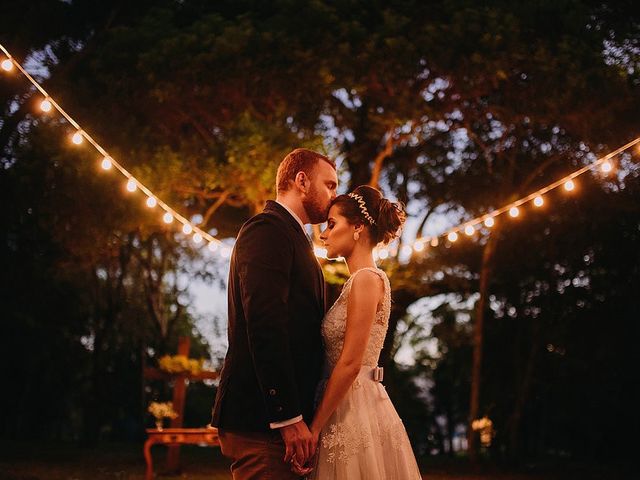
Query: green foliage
461, 106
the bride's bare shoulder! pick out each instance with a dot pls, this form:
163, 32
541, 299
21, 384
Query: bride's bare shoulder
368, 284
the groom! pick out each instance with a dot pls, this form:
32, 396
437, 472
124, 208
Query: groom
276, 304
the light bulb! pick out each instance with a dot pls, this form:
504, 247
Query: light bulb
132, 185
434, 242
606, 166
167, 218
418, 246
106, 163
213, 246
469, 230
46, 105
197, 238
406, 250
187, 229
489, 222
569, 185
538, 201
225, 252
77, 138
453, 236
383, 253
151, 202
514, 212
7, 65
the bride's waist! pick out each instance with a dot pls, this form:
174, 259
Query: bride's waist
367, 372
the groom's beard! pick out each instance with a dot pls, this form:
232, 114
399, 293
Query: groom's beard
316, 212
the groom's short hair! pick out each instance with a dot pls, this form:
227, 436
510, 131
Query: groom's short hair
299, 160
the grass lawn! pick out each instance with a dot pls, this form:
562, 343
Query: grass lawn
125, 462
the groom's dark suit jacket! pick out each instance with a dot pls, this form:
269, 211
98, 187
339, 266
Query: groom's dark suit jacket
276, 305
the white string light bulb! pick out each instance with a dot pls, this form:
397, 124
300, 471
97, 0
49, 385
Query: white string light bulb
106, 163
132, 185
77, 138
213, 246
197, 238
489, 222
469, 230
7, 63
46, 105
167, 218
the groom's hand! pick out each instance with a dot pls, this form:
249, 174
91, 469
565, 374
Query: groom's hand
298, 441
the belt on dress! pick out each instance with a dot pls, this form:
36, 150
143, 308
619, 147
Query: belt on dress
371, 373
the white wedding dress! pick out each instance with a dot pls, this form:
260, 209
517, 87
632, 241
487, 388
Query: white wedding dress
364, 439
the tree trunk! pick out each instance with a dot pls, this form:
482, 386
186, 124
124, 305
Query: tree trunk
523, 394
478, 339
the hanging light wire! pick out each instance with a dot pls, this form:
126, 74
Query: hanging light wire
80, 131
418, 245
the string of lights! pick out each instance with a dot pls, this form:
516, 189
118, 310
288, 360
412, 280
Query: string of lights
468, 228
107, 162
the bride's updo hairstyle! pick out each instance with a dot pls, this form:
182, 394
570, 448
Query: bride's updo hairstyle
366, 206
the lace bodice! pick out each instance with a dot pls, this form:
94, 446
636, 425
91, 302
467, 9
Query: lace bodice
335, 320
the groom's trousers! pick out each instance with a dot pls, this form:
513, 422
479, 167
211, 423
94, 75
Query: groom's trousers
256, 456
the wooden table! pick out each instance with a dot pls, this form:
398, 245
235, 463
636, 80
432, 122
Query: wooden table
177, 436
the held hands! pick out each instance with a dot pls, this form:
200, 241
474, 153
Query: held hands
307, 468
300, 447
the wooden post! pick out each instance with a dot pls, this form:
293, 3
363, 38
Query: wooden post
179, 391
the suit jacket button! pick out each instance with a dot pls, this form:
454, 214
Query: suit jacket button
272, 392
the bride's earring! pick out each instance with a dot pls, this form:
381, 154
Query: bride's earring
356, 236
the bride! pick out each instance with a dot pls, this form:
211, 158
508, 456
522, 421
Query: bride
357, 430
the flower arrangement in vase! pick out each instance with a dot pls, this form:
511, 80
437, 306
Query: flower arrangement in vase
160, 411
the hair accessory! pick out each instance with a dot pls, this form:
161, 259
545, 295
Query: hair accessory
363, 207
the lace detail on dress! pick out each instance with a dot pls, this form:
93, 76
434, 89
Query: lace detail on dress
335, 321
343, 441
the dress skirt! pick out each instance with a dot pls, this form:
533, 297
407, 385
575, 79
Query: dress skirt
365, 438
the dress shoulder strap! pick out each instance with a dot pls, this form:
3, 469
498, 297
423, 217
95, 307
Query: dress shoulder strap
375, 270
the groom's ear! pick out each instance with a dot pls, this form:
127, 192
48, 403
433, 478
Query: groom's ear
302, 181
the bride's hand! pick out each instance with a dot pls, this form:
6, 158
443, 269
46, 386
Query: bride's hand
315, 437
300, 470
307, 468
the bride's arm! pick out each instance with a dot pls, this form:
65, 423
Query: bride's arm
366, 291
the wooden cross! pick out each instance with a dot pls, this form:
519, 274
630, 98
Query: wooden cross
179, 392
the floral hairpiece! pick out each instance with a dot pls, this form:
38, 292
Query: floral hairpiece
363, 207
